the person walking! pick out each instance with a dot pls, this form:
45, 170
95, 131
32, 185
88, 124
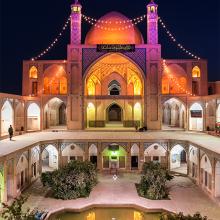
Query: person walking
10, 132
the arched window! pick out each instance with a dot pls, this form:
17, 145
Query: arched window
33, 72
114, 88
196, 73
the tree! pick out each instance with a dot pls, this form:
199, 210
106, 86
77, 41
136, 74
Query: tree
75, 180
180, 216
153, 181
15, 212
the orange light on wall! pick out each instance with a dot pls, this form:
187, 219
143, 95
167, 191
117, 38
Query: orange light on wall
196, 73
33, 72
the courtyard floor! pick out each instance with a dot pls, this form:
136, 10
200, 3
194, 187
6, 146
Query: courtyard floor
185, 197
20, 142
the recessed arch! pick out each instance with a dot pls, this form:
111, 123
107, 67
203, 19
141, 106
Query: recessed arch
156, 153
193, 161
135, 157
73, 152
33, 72
55, 113
114, 157
196, 72
50, 158
55, 80
173, 114
174, 80
196, 117
96, 76
206, 172
35, 162
22, 172
7, 115
114, 113
178, 159
93, 152
33, 117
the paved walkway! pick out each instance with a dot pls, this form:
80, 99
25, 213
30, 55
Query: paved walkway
19, 142
185, 197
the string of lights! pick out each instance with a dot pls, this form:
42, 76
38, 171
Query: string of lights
99, 23
54, 42
171, 78
179, 45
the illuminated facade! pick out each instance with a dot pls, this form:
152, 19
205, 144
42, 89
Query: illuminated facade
113, 80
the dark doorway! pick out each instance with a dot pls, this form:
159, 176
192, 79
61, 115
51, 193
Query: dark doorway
183, 156
62, 114
93, 159
114, 113
134, 162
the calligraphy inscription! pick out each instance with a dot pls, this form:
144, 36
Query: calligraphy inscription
116, 48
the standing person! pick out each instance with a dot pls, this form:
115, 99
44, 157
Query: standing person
10, 132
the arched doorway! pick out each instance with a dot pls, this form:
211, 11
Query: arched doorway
196, 117
55, 114
193, 162
114, 113
22, 172
134, 157
10, 179
93, 152
174, 115
33, 117
49, 158
178, 160
35, 159
7, 114
114, 157
206, 173
217, 179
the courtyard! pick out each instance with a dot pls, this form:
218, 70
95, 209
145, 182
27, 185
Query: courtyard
185, 197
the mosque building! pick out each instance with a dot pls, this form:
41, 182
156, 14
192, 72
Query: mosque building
114, 80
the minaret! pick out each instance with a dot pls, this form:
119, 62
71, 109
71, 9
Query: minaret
76, 19
152, 23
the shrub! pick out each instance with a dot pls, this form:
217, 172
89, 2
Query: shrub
180, 216
153, 181
15, 212
73, 181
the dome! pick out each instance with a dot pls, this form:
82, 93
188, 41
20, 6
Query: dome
114, 28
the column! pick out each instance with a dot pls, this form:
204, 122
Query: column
60, 162
4, 195
213, 162
14, 177
198, 178
29, 166
99, 156
128, 160
141, 156
87, 151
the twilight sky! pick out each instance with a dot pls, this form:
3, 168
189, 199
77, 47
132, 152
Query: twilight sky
27, 27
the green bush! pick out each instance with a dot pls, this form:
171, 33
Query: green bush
180, 216
73, 181
15, 210
153, 181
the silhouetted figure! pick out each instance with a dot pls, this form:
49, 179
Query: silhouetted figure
10, 132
